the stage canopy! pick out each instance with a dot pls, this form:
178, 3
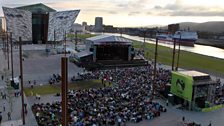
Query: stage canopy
109, 39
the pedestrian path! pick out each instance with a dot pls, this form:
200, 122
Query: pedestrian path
12, 123
12, 104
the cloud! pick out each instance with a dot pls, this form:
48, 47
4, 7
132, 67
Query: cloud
133, 13
122, 5
134, 4
149, 13
112, 12
157, 7
193, 13
180, 9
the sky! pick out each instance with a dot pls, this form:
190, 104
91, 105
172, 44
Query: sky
134, 13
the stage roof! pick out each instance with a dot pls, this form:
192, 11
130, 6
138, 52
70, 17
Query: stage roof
83, 54
193, 73
104, 39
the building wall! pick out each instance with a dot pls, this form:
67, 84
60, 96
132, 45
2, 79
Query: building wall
78, 28
1, 24
19, 23
61, 22
172, 28
98, 24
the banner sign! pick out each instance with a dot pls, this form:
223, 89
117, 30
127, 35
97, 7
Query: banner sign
182, 86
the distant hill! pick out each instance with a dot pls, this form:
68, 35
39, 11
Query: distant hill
213, 26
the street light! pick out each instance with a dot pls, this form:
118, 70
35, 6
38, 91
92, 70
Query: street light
155, 63
174, 51
11, 57
178, 56
21, 78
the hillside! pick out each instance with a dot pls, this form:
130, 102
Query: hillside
213, 26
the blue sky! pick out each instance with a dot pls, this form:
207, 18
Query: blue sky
135, 12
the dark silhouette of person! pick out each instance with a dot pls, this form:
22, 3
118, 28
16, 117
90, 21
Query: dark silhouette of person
9, 115
183, 118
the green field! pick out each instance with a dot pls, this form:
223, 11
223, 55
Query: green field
81, 36
187, 60
53, 89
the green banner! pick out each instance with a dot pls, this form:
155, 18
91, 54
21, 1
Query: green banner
182, 85
212, 108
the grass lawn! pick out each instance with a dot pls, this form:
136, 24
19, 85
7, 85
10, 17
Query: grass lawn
53, 89
81, 36
187, 60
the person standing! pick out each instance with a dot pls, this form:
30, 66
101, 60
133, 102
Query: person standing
9, 115
2, 77
25, 106
183, 118
4, 106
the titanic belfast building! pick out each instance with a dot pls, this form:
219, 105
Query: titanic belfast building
38, 23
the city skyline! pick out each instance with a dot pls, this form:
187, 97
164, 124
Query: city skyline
133, 13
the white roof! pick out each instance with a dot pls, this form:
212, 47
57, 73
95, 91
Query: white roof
193, 73
109, 39
83, 53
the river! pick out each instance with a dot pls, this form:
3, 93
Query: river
199, 49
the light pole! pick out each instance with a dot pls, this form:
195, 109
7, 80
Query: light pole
174, 51
64, 89
65, 42
54, 39
21, 78
12, 57
7, 49
155, 63
76, 40
178, 56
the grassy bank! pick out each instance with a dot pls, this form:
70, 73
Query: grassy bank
53, 89
80, 36
187, 60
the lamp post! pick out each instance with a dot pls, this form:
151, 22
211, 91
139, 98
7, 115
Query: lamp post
7, 49
64, 89
76, 40
178, 56
174, 51
155, 63
65, 42
144, 35
12, 57
54, 39
21, 78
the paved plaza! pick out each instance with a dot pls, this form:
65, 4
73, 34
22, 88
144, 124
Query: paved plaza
39, 66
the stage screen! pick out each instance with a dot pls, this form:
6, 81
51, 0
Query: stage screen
112, 52
182, 86
19, 23
60, 22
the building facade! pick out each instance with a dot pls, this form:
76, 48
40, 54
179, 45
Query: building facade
98, 24
38, 23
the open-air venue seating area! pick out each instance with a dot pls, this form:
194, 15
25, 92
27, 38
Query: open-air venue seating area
127, 101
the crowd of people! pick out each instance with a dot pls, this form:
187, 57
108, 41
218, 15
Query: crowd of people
219, 93
128, 100
56, 78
